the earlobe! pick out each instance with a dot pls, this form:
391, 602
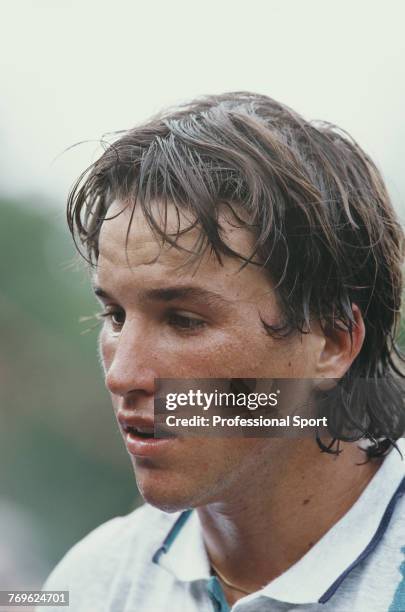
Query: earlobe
341, 348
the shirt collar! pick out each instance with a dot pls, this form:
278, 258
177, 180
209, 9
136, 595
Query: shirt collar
183, 551
320, 572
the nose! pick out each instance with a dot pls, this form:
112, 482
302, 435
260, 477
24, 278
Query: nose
130, 361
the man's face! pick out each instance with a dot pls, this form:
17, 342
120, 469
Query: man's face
207, 326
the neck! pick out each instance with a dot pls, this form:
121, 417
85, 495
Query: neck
277, 514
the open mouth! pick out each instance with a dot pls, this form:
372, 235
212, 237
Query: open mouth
138, 433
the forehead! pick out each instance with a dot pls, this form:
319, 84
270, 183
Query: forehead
114, 240
139, 252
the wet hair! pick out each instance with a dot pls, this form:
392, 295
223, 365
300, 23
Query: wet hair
324, 228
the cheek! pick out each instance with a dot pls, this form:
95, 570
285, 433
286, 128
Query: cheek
254, 354
106, 349
212, 355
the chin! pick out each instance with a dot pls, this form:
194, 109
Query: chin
167, 500
161, 491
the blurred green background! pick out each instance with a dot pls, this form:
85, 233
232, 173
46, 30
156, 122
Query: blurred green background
64, 467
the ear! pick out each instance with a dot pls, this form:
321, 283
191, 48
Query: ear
339, 349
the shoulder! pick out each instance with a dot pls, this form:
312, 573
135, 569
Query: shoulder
97, 556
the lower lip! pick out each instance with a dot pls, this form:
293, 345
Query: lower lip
146, 447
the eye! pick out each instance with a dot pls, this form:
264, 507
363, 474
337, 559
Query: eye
185, 322
116, 316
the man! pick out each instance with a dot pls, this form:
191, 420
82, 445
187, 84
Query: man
231, 238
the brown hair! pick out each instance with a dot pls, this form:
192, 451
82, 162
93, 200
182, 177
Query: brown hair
324, 227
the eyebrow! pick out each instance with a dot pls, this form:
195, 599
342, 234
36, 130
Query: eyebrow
169, 294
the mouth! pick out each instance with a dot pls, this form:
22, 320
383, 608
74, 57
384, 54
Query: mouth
139, 435
144, 434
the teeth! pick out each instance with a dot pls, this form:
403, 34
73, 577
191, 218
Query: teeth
136, 431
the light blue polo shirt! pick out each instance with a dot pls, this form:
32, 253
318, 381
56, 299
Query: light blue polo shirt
151, 561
